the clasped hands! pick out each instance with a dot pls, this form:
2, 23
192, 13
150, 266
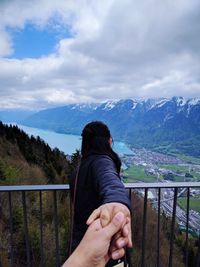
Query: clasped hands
108, 234
123, 238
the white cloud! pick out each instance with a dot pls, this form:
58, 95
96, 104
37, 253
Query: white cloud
119, 49
5, 44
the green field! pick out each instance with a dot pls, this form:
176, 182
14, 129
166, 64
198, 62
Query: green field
179, 179
181, 169
196, 175
191, 159
168, 150
174, 167
137, 173
194, 203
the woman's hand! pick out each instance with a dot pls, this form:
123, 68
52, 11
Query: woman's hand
105, 213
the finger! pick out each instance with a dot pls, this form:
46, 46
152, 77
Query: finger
116, 236
125, 230
105, 217
95, 214
96, 225
113, 241
117, 254
121, 242
115, 225
130, 244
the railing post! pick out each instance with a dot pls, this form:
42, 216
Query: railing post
130, 194
41, 230
11, 229
144, 228
158, 230
187, 226
173, 228
198, 252
56, 229
26, 233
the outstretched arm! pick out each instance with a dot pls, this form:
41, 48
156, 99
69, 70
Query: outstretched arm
112, 194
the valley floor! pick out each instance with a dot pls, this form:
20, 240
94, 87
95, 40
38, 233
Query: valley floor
148, 166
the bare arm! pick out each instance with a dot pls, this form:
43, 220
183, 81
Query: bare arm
94, 249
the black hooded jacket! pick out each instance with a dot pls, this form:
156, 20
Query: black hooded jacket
98, 183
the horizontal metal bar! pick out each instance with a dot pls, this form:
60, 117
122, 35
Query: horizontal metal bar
34, 187
127, 185
162, 185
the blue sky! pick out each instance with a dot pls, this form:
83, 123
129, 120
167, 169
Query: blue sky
58, 52
35, 42
31, 42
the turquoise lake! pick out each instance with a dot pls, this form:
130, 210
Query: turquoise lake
68, 143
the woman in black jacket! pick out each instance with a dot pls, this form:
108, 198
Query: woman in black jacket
97, 182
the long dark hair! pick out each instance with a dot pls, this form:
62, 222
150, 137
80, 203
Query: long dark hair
95, 140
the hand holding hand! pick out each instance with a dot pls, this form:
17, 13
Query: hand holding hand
93, 251
106, 212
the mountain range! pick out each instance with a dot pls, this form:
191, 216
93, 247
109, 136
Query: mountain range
167, 125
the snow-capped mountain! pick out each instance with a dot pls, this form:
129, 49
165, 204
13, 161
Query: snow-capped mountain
150, 123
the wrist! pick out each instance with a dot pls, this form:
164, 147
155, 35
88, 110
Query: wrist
83, 258
75, 260
80, 258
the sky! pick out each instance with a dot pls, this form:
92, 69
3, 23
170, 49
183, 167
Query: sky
54, 53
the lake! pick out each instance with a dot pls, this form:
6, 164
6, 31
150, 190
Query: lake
68, 143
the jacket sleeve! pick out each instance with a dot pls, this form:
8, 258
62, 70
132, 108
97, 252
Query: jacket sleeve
107, 182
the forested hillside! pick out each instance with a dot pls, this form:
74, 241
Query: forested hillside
29, 160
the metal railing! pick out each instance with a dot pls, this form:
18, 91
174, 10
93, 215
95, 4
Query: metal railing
163, 197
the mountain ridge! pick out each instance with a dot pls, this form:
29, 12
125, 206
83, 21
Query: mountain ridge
162, 124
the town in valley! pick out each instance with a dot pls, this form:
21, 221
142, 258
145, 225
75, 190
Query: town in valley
150, 166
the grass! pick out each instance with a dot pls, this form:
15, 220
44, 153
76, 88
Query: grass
191, 159
181, 169
196, 175
194, 203
167, 149
174, 167
137, 173
179, 178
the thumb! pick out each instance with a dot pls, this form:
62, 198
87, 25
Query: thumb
115, 225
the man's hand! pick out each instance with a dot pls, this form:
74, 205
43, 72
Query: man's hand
106, 212
93, 250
